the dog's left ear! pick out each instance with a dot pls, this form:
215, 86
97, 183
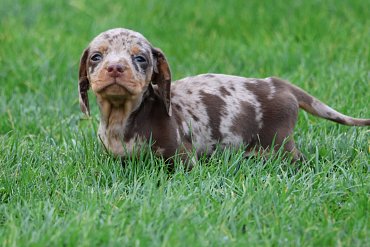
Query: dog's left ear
83, 83
162, 77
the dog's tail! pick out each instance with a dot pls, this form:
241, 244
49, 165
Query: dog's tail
317, 108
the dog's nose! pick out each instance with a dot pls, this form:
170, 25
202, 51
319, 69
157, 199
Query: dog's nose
115, 70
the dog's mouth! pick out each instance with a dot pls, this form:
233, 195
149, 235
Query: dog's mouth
116, 88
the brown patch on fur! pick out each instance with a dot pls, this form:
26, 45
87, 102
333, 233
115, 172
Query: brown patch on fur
177, 107
135, 50
83, 83
260, 88
279, 118
161, 128
162, 78
224, 91
279, 114
340, 120
244, 123
214, 105
102, 49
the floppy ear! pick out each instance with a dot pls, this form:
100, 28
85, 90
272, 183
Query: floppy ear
83, 83
162, 77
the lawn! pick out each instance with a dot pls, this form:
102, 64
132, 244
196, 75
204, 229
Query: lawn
58, 187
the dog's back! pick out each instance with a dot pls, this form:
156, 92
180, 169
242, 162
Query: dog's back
230, 110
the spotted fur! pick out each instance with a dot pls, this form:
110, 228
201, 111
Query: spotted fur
138, 102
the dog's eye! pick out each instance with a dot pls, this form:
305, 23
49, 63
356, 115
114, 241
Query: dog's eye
96, 57
140, 59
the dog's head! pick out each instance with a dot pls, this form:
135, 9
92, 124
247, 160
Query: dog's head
118, 65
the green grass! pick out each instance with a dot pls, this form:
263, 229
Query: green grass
59, 188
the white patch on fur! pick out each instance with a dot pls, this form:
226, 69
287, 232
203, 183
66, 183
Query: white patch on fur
185, 127
178, 137
259, 114
130, 145
271, 95
133, 145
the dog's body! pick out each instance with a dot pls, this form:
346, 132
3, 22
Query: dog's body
132, 83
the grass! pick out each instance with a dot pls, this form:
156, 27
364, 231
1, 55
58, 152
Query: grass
59, 188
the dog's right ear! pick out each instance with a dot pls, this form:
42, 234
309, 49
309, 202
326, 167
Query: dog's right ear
83, 83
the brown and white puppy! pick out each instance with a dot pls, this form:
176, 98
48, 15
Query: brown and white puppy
132, 83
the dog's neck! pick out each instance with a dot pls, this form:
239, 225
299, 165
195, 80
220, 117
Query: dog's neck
113, 121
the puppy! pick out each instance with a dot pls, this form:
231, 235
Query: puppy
138, 102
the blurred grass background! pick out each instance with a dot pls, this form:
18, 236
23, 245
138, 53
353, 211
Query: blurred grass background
50, 157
